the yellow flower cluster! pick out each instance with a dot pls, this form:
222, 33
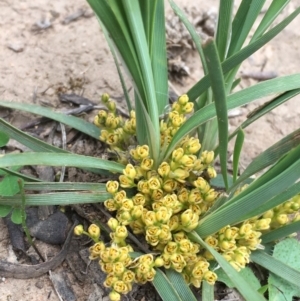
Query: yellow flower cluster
122, 271
114, 130
165, 204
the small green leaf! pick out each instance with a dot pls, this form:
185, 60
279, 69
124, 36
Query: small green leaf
246, 273
4, 138
5, 210
287, 251
9, 186
16, 216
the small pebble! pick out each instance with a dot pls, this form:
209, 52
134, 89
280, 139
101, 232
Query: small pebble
39, 284
16, 46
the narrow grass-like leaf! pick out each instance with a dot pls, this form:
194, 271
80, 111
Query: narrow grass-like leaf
180, 285
219, 94
69, 186
53, 159
239, 282
246, 202
275, 201
164, 287
265, 108
237, 152
272, 86
243, 22
208, 293
281, 232
223, 32
276, 266
20, 175
236, 59
57, 198
134, 18
74, 122
269, 156
4, 138
271, 14
27, 140
112, 16
158, 55
192, 31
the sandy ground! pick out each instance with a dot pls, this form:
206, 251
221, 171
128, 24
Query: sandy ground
33, 60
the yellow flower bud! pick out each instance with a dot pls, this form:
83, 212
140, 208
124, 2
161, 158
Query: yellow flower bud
212, 241
129, 171
121, 287
107, 267
202, 185
177, 154
94, 231
195, 196
245, 229
179, 174
143, 187
165, 234
142, 151
199, 269
169, 185
157, 194
128, 276
177, 262
188, 161
185, 246
183, 99
159, 262
210, 277
153, 231
281, 219
149, 218
136, 212
118, 268
105, 97
164, 169
188, 108
262, 224
126, 182
207, 157
183, 195
102, 115
154, 183
170, 248
121, 232
179, 236
173, 222
139, 199
211, 172
192, 146
112, 186
210, 196
78, 230
113, 223
163, 214
186, 217
152, 240
111, 105
137, 227
147, 164
112, 139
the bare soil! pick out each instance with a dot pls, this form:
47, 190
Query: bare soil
43, 50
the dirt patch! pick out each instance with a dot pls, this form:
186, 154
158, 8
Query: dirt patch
59, 46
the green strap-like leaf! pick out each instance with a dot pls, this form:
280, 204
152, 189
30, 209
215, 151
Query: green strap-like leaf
236, 153
276, 266
238, 280
53, 159
251, 198
281, 232
271, 14
20, 175
180, 285
223, 32
269, 156
240, 56
74, 122
27, 140
243, 22
208, 293
272, 86
220, 101
165, 288
57, 198
69, 186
